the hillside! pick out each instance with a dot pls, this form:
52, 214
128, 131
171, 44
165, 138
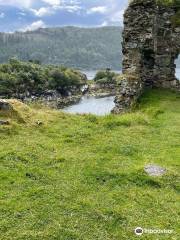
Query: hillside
82, 177
84, 48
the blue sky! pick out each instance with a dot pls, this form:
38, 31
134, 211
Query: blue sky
23, 15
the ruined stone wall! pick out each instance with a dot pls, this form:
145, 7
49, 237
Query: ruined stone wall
150, 46
167, 49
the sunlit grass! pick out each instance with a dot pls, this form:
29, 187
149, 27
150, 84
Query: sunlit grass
81, 176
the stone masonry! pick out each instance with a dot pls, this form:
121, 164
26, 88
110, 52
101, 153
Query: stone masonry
151, 45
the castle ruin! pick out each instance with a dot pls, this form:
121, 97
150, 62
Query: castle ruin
151, 44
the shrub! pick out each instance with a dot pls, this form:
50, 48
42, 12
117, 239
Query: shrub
8, 84
105, 76
17, 78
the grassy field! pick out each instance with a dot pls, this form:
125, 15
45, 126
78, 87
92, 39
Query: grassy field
81, 177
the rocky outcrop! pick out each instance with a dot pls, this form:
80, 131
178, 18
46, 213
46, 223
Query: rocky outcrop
4, 105
151, 45
54, 99
98, 89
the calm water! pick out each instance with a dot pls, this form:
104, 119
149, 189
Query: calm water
91, 74
94, 105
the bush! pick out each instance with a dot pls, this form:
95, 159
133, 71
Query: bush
17, 78
7, 84
105, 76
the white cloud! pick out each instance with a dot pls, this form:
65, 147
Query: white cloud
117, 16
98, 9
22, 13
17, 3
115, 11
110, 11
2, 15
52, 2
70, 8
50, 10
44, 11
33, 26
104, 24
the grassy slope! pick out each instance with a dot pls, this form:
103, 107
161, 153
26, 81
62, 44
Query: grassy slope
81, 177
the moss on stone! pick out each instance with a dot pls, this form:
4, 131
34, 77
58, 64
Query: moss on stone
176, 19
175, 4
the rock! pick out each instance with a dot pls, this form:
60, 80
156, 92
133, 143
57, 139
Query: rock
5, 106
66, 101
4, 122
84, 88
154, 170
39, 123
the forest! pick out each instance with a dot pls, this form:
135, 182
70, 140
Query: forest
83, 48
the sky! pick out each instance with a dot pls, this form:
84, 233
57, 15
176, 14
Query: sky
27, 15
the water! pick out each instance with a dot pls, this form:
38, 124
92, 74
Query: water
95, 105
91, 74
178, 73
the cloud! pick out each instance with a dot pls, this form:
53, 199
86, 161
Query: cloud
68, 5
44, 11
52, 2
115, 12
104, 24
22, 13
34, 26
117, 17
55, 5
70, 8
17, 3
110, 13
2, 15
84, 13
98, 9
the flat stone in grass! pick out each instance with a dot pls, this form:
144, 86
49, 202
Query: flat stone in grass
154, 170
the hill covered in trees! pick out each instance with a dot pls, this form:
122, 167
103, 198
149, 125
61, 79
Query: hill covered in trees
84, 48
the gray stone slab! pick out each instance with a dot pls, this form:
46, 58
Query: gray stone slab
154, 170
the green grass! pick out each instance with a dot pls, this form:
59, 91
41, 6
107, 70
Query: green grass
81, 177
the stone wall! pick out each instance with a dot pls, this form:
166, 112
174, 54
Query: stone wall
150, 46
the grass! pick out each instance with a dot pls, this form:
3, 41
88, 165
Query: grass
81, 176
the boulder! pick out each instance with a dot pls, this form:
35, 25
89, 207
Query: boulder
5, 106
